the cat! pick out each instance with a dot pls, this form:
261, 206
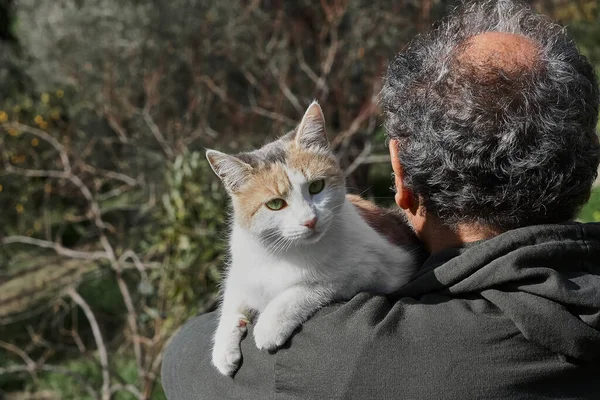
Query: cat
298, 242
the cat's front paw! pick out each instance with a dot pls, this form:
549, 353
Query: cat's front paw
270, 333
226, 354
226, 358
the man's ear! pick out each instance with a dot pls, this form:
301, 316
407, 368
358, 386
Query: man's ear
404, 197
311, 131
232, 171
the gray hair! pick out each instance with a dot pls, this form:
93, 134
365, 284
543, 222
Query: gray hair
516, 150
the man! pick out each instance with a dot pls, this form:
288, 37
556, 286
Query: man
492, 124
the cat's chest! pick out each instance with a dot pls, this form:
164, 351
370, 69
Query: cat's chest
263, 280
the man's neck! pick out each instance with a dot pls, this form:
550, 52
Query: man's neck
438, 237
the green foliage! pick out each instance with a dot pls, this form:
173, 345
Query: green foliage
591, 211
102, 294
193, 234
76, 376
71, 386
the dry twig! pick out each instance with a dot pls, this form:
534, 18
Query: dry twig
98, 339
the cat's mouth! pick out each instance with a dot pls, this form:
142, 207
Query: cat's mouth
313, 236
307, 237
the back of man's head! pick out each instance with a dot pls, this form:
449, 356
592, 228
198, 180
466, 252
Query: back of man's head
495, 113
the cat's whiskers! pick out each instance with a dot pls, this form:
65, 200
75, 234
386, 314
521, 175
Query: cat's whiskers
287, 245
272, 247
280, 244
337, 206
265, 239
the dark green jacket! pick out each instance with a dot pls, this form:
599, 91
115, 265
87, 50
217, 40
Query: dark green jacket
513, 317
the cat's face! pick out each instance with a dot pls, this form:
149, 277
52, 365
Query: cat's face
289, 191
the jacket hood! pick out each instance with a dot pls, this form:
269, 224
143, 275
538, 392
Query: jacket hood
545, 278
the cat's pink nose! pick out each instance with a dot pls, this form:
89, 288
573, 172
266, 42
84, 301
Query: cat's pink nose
311, 223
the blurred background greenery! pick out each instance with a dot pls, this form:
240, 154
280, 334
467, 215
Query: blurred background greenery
112, 224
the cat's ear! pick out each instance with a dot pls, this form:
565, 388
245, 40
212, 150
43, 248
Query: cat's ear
311, 131
231, 170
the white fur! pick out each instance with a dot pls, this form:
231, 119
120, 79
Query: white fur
283, 271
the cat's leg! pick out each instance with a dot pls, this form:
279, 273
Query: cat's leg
286, 312
226, 355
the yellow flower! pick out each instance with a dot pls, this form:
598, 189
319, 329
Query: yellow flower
60, 94
43, 125
19, 159
45, 97
3, 116
20, 208
1, 188
13, 132
38, 119
35, 142
55, 114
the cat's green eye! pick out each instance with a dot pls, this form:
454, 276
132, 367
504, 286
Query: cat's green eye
275, 204
316, 186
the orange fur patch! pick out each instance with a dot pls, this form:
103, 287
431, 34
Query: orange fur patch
315, 165
386, 222
264, 184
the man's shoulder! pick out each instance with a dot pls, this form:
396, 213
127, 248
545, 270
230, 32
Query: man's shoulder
371, 347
